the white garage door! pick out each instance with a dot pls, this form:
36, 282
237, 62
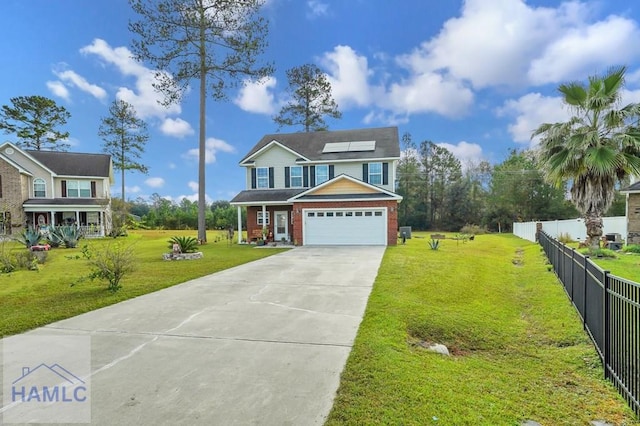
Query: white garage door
345, 226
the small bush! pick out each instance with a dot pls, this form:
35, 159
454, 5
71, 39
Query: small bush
632, 248
434, 244
26, 260
565, 238
111, 264
601, 252
187, 244
474, 230
29, 237
68, 234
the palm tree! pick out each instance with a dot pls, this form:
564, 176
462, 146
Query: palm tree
594, 149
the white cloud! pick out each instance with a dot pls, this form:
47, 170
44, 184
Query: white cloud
74, 79
176, 127
144, 98
581, 50
193, 186
155, 182
193, 198
348, 75
317, 8
212, 147
257, 96
59, 89
132, 189
466, 152
530, 111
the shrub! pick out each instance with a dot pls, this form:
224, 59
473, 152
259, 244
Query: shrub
601, 252
632, 248
111, 264
474, 229
565, 238
68, 235
7, 261
434, 244
27, 260
187, 244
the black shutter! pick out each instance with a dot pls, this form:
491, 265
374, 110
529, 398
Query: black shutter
385, 173
331, 171
253, 178
64, 188
270, 177
93, 189
286, 177
305, 176
365, 173
312, 172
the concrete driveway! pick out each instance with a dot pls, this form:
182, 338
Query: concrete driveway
261, 343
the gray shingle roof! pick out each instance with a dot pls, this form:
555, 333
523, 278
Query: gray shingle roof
311, 144
266, 195
74, 163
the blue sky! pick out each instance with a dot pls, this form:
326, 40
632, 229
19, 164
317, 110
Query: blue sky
476, 76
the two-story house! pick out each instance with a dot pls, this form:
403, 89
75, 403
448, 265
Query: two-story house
323, 188
44, 188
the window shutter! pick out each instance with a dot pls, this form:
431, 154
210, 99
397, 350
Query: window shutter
305, 176
286, 177
312, 171
271, 177
331, 171
93, 189
385, 173
253, 178
365, 173
64, 188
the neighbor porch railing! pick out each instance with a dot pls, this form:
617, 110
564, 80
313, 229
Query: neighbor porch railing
610, 310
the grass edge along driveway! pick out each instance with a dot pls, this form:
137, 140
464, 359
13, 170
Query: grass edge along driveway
30, 299
519, 351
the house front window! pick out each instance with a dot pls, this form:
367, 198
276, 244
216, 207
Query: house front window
375, 173
262, 177
295, 176
260, 221
322, 174
78, 189
39, 188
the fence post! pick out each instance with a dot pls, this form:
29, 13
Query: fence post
573, 252
584, 294
606, 350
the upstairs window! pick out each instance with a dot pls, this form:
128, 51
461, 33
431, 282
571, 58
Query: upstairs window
295, 176
78, 189
39, 188
375, 173
322, 174
262, 177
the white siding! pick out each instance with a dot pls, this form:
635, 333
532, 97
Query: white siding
275, 157
574, 227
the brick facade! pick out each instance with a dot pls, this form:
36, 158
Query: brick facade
633, 219
254, 230
13, 193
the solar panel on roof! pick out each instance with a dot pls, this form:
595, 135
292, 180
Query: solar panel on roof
335, 147
355, 146
362, 146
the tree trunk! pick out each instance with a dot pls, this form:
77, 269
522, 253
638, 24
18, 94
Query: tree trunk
202, 225
593, 222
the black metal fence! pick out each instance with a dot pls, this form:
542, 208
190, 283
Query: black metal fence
610, 310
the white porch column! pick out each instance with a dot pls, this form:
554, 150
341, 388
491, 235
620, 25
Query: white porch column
239, 224
264, 216
77, 218
53, 218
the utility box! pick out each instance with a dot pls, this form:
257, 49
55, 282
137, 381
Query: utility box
406, 230
613, 237
614, 245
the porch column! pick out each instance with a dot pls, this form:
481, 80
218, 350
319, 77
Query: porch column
240, 225
53, 218
77, 218
264, 216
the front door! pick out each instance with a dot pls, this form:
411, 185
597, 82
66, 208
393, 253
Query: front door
281, 228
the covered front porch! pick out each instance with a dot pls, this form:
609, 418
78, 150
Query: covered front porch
93, 220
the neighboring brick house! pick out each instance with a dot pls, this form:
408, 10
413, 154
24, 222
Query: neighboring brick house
633, 213
44, 188
323, 188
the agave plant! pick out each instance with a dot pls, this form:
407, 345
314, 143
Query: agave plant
54, 239
186, 244
30, 237
434, 244
68, 234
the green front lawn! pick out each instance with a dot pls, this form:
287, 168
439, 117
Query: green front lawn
519, 351
33, 298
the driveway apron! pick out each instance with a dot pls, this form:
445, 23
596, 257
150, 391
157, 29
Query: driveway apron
261, 343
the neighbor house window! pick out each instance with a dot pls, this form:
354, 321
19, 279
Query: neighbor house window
375, 173
78, 189
260, 221
295, 176
262, 177
322, 174
39, 188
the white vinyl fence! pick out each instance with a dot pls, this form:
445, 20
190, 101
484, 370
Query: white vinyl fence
574, 227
